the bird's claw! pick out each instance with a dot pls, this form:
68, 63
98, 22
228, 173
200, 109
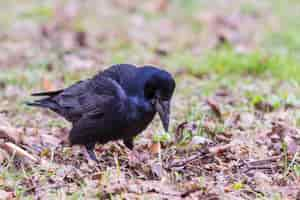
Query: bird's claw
92, 156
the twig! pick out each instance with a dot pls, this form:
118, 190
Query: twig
199, 156
179, 131
250, 168
11, 147
189, 192
291, 164
215, 107
265, 161
261, 164
54, 186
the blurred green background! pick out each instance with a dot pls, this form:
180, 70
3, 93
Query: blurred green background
257, 37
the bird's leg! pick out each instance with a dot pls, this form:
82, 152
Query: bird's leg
90, 150
128, 143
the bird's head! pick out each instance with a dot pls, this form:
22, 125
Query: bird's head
159, 90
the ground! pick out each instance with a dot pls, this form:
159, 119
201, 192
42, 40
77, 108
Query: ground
235, 113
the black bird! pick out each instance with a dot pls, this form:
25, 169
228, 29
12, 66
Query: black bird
117, 103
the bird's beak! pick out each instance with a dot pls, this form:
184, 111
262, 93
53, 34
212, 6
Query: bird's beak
163, 109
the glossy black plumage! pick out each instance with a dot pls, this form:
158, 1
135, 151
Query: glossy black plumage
117, 103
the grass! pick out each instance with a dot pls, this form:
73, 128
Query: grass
227, 62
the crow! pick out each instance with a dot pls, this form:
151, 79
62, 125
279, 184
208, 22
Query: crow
115, 104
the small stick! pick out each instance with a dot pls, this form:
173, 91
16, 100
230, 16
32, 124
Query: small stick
250, 168
212, 151
180, 163
265, 161
215, 107
11, 147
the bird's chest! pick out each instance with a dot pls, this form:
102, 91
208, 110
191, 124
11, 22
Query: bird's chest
140, 116
136, 126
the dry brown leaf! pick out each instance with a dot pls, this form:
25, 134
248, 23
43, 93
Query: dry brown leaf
3, 156
49, 139
154, 187
292, 146
6, 195
157, 169
179, 131
10, 133
196, 140
209, 127
162, 5
264, 106
298, 195
80, 38
30, 140
221, 148
215, 107
262, 180
127, 4
157, 6
223, 138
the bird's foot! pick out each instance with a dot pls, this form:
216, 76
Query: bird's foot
92, 156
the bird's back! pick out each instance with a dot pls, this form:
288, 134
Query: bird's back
81, 97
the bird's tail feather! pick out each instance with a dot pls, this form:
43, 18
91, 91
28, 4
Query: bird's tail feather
33, 104
50, 93
44, 103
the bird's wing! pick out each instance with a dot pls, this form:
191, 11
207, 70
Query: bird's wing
101, 111
90, 96
84, 96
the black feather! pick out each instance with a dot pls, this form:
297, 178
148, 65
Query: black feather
50, 93
114, 104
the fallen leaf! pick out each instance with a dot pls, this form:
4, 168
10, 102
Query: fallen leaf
264, 106
49, 139
262, 180
196, 140
10, 133
31, 140
80, 38
157, 169
157, 6
3, 156
215, 107
292, 146
221, 148
179, 131
6, 195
